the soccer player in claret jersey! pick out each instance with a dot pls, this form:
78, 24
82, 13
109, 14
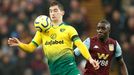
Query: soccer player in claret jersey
103, 49
58, 44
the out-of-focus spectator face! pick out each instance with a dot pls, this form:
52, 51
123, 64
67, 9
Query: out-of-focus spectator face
4, 42
83, 10
3, 20
6, 59
116, 15
20, 28
5, 48
130, 11
37, 2
3, 25
1, 54
6, 5
4, 30
75, 16
31, 27
125, 46
22, 16
131, 23
30, 6
28, 71
123, 37
132, 40
14, 8
21, 54
38, 56
46, 73
74, 4
107, 9
23, 5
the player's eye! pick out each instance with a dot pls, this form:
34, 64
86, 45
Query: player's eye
98, 28
55, 10
103, 28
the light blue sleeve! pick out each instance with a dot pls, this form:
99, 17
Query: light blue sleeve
86, 42
118, 51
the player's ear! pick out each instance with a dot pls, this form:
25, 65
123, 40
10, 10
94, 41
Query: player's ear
109, 30
63, 12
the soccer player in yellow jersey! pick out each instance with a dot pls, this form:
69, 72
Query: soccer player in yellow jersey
57, 44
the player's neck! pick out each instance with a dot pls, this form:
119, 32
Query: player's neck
104, 39
56, 23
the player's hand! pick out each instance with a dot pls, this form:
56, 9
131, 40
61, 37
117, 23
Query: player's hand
94, 63
13, 41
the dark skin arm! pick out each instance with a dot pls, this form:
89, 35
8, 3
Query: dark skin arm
122, 67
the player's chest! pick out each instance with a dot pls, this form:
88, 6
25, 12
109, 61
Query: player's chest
57, 36
102, 47
102, 51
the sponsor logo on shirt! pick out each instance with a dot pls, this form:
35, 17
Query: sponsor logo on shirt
102, 56
111, 47
62, 30
53, 36
71, 63
54, 42
103, 62
102, 59
96, 46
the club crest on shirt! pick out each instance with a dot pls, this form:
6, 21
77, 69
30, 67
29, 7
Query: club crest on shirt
53, 36
111, 47
62, 30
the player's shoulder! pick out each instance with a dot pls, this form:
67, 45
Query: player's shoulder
67, 26
37, 32
94, 38
111, 40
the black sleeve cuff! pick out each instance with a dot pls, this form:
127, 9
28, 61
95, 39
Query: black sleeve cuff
35, 43
75, 37
118, 58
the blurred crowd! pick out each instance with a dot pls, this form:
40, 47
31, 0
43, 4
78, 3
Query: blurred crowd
120, 13
16, 20
17, 17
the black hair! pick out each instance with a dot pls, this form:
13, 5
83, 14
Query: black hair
107, 23
54, 3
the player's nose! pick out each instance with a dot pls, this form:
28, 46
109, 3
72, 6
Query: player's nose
100, 31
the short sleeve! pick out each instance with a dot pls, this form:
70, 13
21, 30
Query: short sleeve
118, 51
73, 33
37, 39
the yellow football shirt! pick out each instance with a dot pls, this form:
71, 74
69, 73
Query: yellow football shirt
57, 41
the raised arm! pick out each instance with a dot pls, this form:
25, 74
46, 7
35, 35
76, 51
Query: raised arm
26, 47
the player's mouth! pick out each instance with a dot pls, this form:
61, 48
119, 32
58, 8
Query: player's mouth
53, 17
100, 34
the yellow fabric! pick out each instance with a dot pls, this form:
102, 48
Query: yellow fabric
27, 47
32, 45
83, 49
57, 41
72, 32
37, 38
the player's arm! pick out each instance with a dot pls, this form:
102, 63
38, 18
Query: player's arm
119, 58
82, 48
86, 43
26, 47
